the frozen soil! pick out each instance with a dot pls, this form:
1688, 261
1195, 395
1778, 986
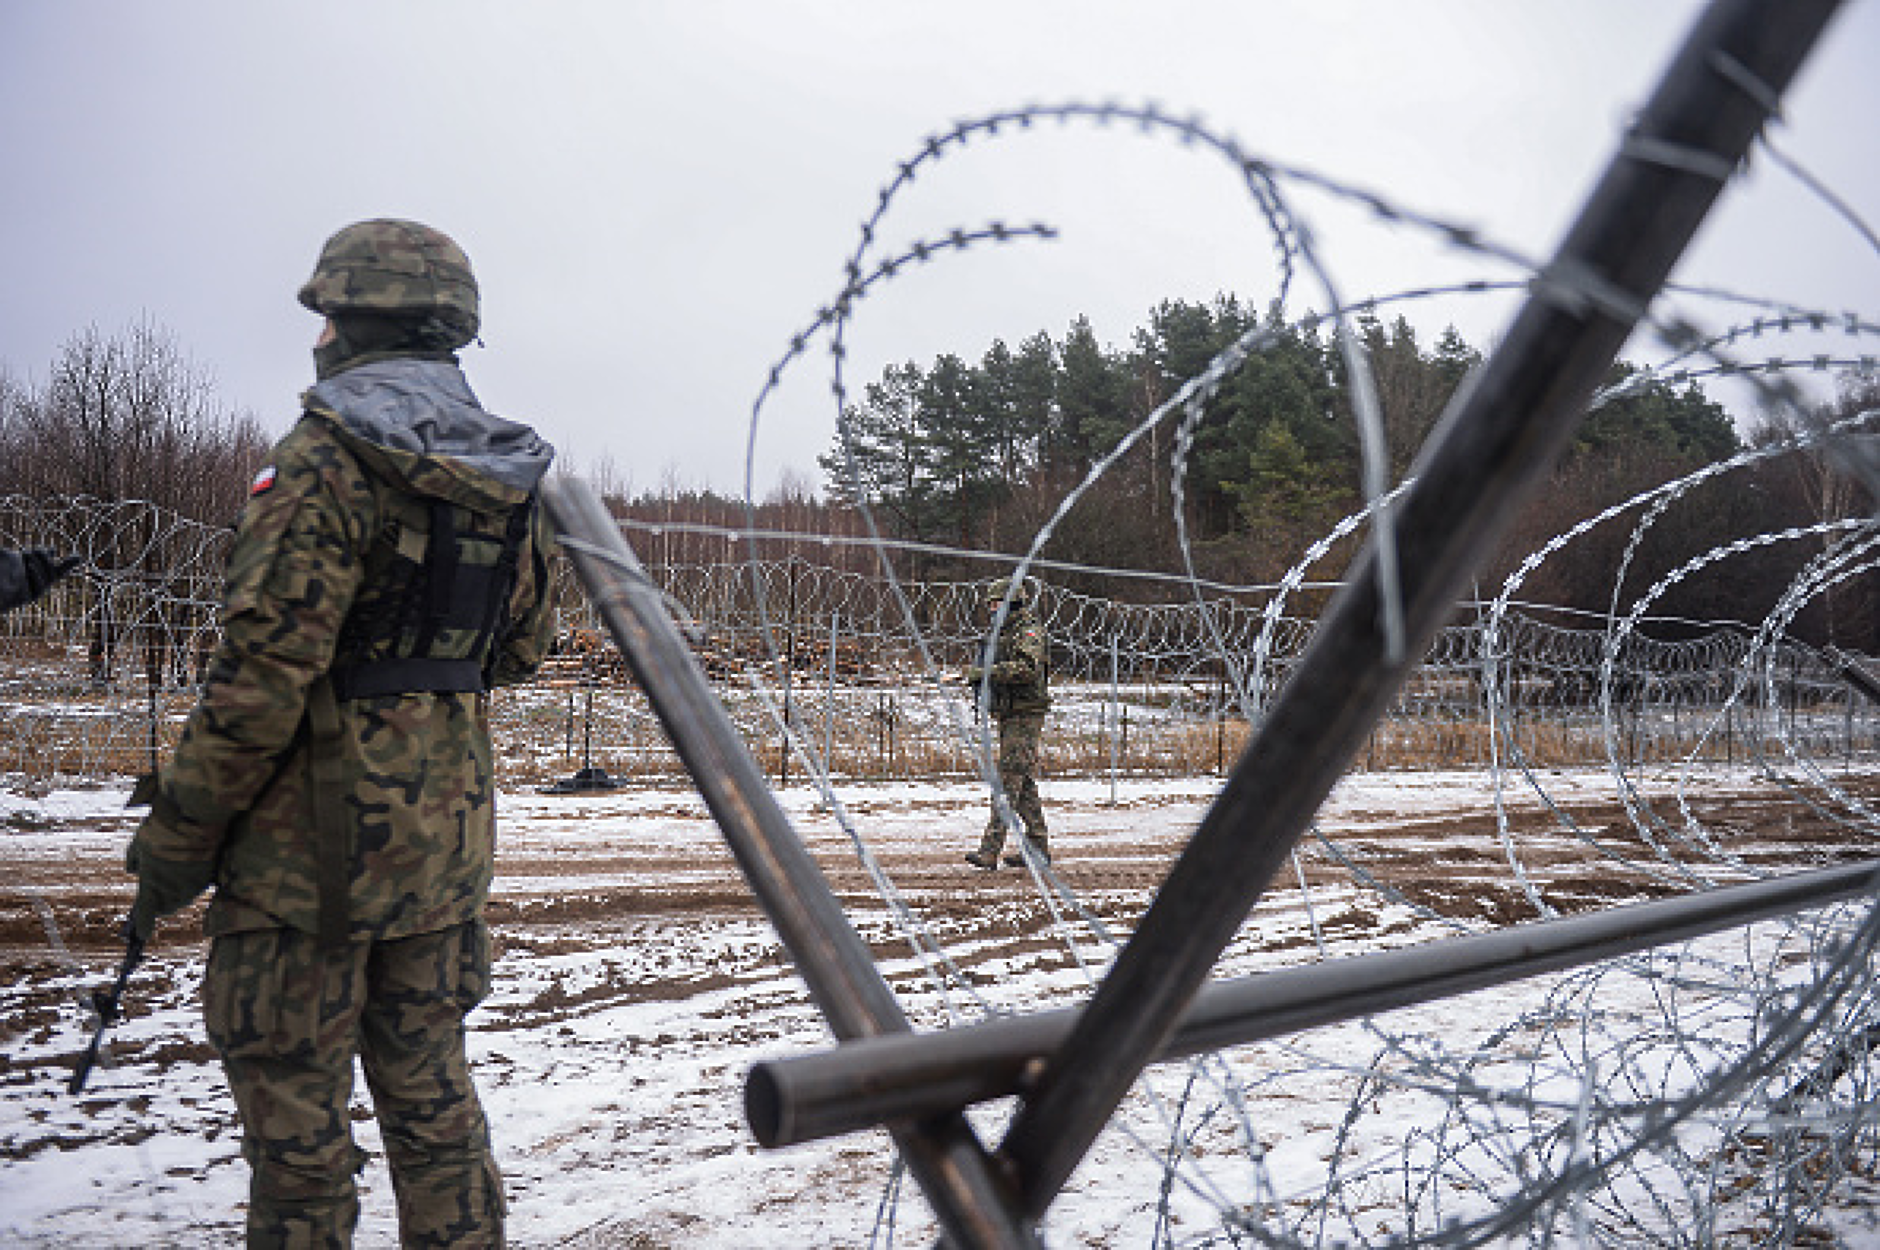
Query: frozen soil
637, 980
579, 872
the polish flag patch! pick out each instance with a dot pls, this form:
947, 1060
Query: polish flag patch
264, 481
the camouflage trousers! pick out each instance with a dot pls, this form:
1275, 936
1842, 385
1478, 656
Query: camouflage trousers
288, 1019
1018, 777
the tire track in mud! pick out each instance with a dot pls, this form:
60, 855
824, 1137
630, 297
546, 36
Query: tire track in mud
580, 898
628, 946
568, 897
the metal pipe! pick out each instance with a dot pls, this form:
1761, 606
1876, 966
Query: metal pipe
1857, 675
1495, 442
1116, 701
975, 1205
829, 697
861, 1084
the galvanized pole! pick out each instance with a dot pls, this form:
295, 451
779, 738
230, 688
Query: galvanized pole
829, 699
1493, 445
1116, 701
789, 680
974, 1205
863, 1083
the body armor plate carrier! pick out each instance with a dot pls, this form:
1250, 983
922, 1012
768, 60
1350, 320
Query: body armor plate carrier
436, 595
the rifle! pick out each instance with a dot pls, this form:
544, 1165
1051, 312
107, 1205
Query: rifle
108, 1005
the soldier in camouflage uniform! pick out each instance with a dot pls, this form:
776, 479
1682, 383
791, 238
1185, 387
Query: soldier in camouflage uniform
334, 781
1017, 687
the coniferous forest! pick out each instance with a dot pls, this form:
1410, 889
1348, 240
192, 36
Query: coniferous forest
980, 454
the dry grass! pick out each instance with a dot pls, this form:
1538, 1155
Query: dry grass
63, 729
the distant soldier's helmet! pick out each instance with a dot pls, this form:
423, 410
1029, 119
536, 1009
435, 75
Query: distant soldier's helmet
1026, 590
400, 268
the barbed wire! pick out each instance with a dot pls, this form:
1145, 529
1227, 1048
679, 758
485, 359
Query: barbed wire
1644, 1104
1716, 1091
125, 641
57, 670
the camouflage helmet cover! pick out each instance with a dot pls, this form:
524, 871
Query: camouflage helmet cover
1026, 590
391, 266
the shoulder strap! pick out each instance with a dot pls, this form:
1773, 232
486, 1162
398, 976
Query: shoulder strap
503, 584
440, 574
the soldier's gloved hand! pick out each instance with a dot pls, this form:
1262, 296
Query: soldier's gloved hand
163, 885
145, 792
44, 567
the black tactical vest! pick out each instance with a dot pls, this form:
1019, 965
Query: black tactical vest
434, 600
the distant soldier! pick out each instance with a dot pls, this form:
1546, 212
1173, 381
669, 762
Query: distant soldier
334, 781
26, 575
1018, 685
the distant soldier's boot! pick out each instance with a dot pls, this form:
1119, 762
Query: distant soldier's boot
987, 856
1039, 846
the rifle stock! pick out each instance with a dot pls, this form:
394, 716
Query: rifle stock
108, 1006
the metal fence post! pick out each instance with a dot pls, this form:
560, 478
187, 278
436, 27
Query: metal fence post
1499, 437
829, 699
975, 1205
1116, 702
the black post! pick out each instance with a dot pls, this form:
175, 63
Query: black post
1500, 435
975, 1205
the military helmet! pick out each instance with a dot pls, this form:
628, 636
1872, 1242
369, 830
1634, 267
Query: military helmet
1026, 590
398, 267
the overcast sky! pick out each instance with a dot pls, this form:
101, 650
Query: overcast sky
657, 196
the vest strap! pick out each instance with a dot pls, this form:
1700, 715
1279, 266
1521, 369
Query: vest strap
409, 675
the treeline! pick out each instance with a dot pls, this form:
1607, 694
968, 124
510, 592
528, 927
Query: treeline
128, 416
980, 455
679, 525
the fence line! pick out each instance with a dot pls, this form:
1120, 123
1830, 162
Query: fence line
1687, 1096
99, 675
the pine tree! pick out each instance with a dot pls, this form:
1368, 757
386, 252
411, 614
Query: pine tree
1090, 404
879, 458
956, 436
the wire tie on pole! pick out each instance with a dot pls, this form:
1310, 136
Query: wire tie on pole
1739, 76
1690, 160
1573, 287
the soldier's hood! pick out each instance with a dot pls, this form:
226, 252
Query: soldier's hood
419, 422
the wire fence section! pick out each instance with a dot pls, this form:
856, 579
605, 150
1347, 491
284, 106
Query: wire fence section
860, 671
1716, 1092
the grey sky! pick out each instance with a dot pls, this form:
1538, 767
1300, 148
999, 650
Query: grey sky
656, 196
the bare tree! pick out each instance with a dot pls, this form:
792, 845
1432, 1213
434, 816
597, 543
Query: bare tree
128, 419
1831, 493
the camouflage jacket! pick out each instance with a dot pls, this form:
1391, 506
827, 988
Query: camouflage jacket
1019, 677
374, 446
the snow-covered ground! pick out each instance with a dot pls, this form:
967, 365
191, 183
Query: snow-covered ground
636, 984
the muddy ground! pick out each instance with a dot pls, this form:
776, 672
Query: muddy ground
625, 938
1580, 853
